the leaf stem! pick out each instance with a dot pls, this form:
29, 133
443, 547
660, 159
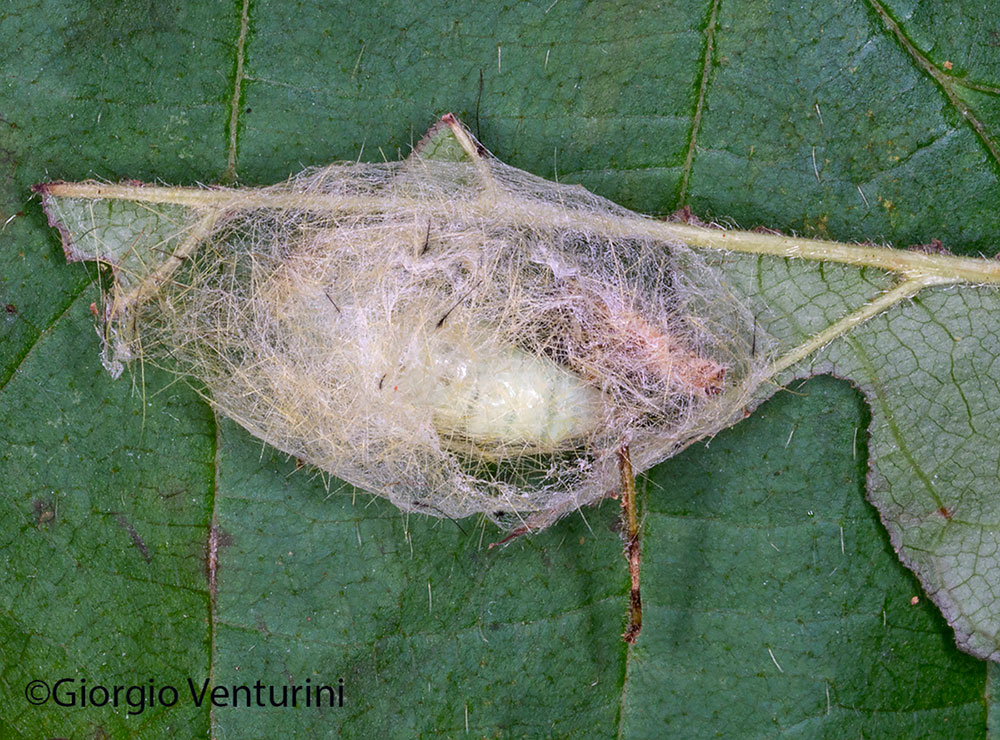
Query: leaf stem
510, 206
911, 265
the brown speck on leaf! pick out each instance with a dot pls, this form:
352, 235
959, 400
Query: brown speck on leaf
217, 538
934, 246
518, 532
948, 65
45, 511
946, 512
136, 539
685, 216
766, 230
10, 308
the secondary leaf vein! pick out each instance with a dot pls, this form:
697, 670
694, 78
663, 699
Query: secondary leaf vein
234, 113
946, 82
700, 105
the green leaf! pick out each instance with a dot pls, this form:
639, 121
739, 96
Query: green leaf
122, 495
925, 367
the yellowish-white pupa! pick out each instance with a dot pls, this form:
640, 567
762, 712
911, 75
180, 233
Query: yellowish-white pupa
447, 331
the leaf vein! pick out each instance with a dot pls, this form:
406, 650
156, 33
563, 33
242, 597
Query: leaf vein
890, 420
700, 105
946, 82
11, 370
229, 175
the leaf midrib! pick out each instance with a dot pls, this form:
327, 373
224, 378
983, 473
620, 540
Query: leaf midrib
212, 543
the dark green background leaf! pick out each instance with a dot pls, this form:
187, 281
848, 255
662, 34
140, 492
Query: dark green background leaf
849, 120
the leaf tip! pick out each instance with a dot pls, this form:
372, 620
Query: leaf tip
48, 191
449, 123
